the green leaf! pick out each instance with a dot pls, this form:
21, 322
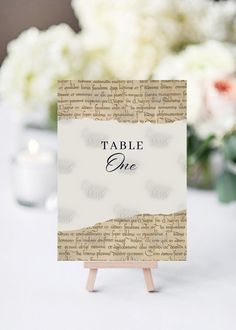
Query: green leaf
226, 187
199, 149
52, 116
204, 148
230, 147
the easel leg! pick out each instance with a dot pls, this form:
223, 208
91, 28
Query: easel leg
148, 279
91, 279
93, 266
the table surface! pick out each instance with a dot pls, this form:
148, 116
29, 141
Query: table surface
37, 292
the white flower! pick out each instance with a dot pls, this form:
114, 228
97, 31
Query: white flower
35, 61
220, 98
220, 21
207, 60
38, 59
95, 64
199, 65
137, 34
128, 33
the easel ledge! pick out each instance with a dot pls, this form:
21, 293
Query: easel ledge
93, 267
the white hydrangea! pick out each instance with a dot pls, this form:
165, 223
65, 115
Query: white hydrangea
35, 61
120, 39
201, 65
38, 59
220, 21
207, 60
137, 34
94, 61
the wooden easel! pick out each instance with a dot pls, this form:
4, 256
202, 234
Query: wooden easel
93, 267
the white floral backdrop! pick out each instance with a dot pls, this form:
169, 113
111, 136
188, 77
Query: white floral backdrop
136, 39
124, 39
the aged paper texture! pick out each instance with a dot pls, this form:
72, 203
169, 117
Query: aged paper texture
131, 212
144, 237
126, 101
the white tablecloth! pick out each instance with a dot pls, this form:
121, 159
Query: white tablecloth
37, 292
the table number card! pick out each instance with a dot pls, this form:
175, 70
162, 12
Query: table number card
122, 170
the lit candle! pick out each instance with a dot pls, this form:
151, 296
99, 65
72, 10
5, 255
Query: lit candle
34, 175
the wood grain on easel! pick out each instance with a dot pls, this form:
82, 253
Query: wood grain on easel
91, 279
148, 279
93, 266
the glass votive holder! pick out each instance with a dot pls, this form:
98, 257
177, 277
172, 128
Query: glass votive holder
34, 175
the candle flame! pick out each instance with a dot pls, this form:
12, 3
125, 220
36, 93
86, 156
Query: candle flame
33, 146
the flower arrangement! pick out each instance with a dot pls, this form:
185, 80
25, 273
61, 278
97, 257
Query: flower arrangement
136, 39
38, 59
209, 69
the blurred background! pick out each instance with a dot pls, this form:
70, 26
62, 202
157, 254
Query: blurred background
47, 40
43, 41
17, 16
